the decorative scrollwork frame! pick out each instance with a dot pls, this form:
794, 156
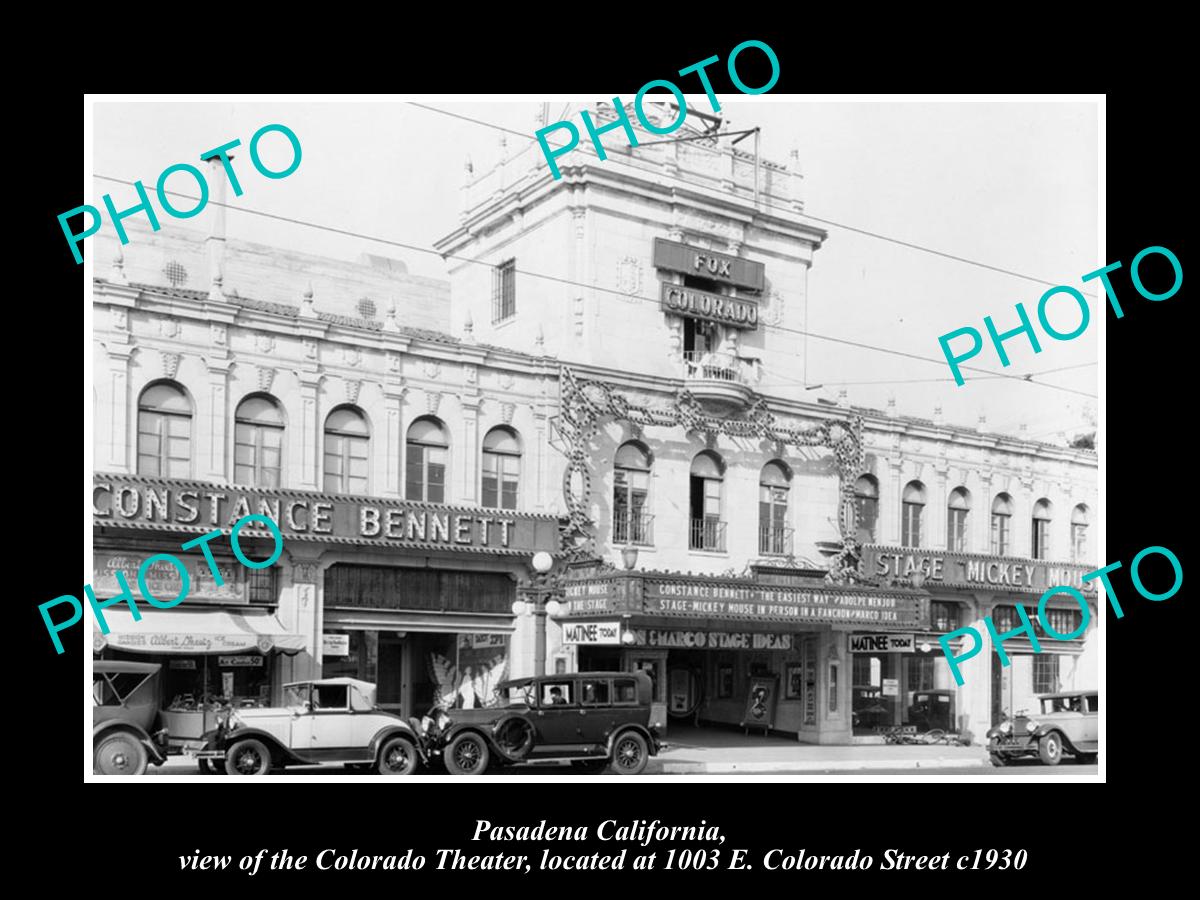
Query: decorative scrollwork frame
584, 404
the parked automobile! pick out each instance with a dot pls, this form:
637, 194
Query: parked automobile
592, 719
127, 732
329, 720
1067, 723
932, 709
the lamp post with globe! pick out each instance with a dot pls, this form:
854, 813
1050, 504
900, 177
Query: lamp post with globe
539, 599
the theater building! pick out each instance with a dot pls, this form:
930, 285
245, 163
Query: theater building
770, 561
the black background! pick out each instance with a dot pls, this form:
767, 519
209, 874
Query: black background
136, 834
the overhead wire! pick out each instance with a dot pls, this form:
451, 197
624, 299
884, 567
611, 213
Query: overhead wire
558, 279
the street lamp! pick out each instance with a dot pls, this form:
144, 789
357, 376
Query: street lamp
539, 600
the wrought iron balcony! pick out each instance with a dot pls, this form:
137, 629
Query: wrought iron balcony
718, 378
633, 528
706, 365
708, 534
775, 541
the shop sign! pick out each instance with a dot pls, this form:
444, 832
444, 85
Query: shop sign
335, 645
482, 641
182, 664
121, 500
238, 662
882, 643
711, 640
969, 570
591, 632
891, 687
163, 578
736, 311
709, 264
167, 642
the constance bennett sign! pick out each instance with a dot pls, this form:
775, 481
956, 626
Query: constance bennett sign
124, 501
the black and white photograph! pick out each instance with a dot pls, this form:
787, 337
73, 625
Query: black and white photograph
552, 439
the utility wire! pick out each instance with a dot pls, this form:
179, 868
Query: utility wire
842, 225
591, 287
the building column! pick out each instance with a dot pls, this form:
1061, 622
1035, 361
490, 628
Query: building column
118, 434
468, 458
309, 436
939, 520
218, 416
394, 442
890, 503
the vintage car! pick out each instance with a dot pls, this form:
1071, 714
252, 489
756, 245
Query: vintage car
126, 723
591, 719
1067, 723
330, 720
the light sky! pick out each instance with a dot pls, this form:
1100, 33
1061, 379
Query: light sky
1013, 185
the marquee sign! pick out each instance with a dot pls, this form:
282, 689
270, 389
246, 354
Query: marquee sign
684, 301
126, 501
974, 570
744, 600
709, 264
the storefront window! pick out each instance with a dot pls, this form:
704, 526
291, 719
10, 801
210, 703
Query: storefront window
875, 688
1045, 673
918, 672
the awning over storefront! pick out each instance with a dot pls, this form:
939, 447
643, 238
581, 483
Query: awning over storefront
403, 620
195, 631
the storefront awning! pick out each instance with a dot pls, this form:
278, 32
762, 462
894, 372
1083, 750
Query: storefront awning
195, 631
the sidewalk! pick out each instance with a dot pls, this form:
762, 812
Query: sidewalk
705, 752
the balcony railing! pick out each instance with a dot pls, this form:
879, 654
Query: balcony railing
709, 366
708, 534
775, 541
633, 528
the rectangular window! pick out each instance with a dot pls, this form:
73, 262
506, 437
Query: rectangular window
919, 672
594, 693
504, 291
557, 693
624, 692
1079, 543
1005, 618
500, 480
1045, 673
257, 452
956, 531
345, 464
868, 511
911, 525
1063, 621
261, 583
1041, 539
163, 444
943, 616
1001, 525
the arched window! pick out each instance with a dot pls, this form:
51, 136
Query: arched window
708, 529
912, 507
956, 520
774, 535
425, 469
501, 468
347, 450
1002, 510
866, 501
258, 441
1042, 513
1079, 528
631, 495
164, 431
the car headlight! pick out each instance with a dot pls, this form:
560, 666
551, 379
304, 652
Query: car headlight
1005, 727
1031, 726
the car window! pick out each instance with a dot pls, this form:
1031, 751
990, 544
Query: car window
102, 692
594, 692
624, 692
557, 693
330, 696
1093, 701
295, 694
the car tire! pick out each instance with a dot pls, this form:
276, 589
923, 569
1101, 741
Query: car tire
248, 757
119, 753
630, 754
398, 757
1050, 748
467, 754
998, 760
513, 737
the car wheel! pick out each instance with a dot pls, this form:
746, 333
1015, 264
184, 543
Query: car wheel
248, 757
998, 760
119, 753
398, 757
1050, 748
590, 766
466, 755
630, 754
